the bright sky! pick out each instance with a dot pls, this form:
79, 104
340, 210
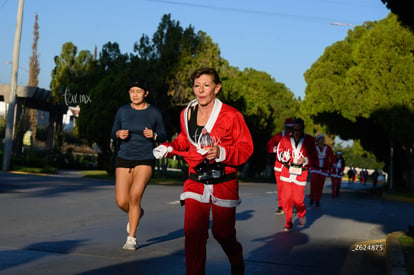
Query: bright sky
282, 38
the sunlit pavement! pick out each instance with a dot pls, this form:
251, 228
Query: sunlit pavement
71, 225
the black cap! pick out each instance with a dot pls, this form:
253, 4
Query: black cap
139, 83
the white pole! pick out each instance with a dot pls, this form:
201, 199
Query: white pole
8, 141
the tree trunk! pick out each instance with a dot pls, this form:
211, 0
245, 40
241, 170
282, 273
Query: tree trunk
20, 128
51, 130
32, 121
403, 170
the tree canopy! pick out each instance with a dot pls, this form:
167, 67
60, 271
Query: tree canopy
403, 9
166, 62
362, 87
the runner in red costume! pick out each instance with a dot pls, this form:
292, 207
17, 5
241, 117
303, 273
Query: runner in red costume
271, 149
320, 170
212, 184
297, 153
337, 172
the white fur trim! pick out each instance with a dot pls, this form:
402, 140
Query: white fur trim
205, 198
320, 172
222, 155
210, 122
293, 179
278, 169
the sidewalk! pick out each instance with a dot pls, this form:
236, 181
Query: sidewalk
393, 253
69, 173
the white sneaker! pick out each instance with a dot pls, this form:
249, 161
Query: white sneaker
130, 244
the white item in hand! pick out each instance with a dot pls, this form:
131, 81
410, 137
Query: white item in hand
160, 151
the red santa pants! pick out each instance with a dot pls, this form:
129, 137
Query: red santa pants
279, 188
316, 186
336, 185
293, 195
196, 224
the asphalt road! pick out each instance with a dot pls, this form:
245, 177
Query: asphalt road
70, 225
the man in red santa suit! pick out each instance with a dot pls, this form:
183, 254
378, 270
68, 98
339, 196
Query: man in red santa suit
271, 147
212, 183
337, 172
297, 153
320, 170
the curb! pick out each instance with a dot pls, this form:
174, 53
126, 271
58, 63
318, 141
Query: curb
388, 196
393, 253
394, 256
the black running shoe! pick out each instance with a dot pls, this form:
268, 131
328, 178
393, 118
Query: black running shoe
279, 211
238, 269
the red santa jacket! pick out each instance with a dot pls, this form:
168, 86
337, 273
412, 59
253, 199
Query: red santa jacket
228, 129
271, 147
288, 152
325, 159
337, 170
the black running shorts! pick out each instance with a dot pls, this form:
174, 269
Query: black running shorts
126, 163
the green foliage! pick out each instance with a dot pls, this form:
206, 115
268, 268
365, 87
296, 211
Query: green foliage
34, 68
41, 134
370, 70
166, 61
264, 103
32, 169
255, 93
106, 87
175, 53
71, 138
361, 88
356, 156
71, 68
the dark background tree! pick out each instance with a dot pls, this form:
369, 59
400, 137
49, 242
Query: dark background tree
166, 62
106, 85
403, 9
27, 117
264, 103
67, 78
34, 70
342, 86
